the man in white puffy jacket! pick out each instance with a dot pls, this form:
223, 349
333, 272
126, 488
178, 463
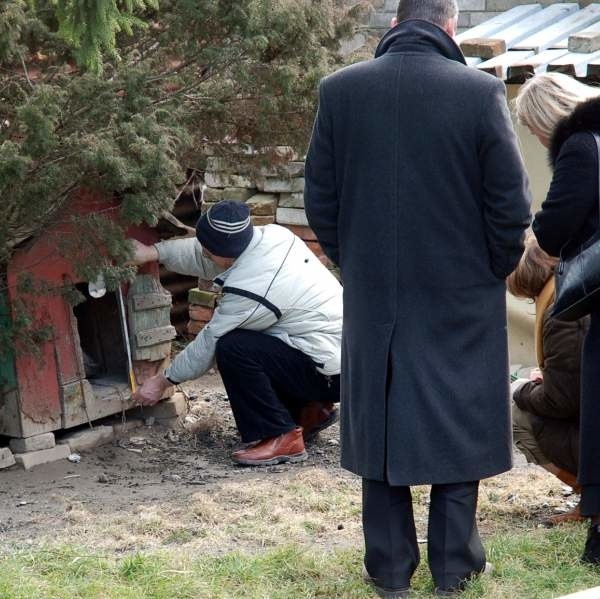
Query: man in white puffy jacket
276, 332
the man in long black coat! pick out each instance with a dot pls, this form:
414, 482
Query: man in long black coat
415, 188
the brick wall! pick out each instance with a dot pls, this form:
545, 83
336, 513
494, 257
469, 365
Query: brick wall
472, 12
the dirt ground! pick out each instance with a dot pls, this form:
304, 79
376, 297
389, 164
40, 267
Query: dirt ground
157, 487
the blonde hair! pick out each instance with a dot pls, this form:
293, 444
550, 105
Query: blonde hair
533, 271
546, 99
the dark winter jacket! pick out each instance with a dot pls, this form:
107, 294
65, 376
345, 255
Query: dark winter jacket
569, 215
553, 404
415, 188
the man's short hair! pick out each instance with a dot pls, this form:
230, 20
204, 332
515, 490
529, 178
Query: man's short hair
438, 12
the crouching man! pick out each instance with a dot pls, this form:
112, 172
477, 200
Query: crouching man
275, 334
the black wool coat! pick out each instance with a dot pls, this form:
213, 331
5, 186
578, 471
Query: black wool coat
570, 215
415, 188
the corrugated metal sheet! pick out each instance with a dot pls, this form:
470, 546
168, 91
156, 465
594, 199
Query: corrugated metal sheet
530, 39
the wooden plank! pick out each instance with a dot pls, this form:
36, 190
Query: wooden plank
544, 39
537, 63
155, 336
572, 63
499, 22
485, 48
498, 66
151, 300
587, 594
586, 41
593, 71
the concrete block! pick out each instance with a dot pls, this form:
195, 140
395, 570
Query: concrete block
291, 200
286, 170
220, 164
35, 443
45, 456
471, 5
261, 221
227, 180
239, 194
7, 459
262, 204
280, 185
88, 438
200, 297
174, 407
212, 195
291, 216
476, 18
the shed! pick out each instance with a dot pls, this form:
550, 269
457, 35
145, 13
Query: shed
79, 374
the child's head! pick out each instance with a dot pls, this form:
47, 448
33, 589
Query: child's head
533, 271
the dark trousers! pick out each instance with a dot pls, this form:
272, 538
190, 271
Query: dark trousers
268, 382
454, 549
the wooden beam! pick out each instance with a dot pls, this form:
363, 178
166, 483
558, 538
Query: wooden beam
155, 336
586, 41
573, 64
152, 300
537, 63
499, 65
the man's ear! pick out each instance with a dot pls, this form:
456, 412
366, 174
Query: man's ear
450, 26
394, 22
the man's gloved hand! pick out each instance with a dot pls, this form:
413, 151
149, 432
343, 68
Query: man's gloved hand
151, 391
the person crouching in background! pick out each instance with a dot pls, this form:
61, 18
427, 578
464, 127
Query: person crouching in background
546, 407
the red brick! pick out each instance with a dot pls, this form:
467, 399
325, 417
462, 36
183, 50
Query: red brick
195, 326
200, 313
305, 233
315, 248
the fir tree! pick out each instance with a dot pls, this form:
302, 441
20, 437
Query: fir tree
122, 97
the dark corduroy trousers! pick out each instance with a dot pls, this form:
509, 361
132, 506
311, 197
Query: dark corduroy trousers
268, 382
454, 549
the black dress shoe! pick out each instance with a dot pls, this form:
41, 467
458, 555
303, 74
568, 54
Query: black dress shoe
401, 593
591, 552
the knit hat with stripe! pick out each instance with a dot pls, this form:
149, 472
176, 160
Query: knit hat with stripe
225, 229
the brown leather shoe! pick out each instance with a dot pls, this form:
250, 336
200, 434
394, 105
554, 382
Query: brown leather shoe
573, 515
288, 447
317, 416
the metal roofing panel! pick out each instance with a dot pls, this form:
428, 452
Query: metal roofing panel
560, 31
499, 22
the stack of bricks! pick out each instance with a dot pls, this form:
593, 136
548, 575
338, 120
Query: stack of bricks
202, 301
274, 195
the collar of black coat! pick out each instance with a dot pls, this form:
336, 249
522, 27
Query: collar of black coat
585, 117
416, 35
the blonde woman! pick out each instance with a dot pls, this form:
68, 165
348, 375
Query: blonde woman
564, 114
546, 407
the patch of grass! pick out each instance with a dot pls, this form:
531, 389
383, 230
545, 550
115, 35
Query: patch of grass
540, 564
